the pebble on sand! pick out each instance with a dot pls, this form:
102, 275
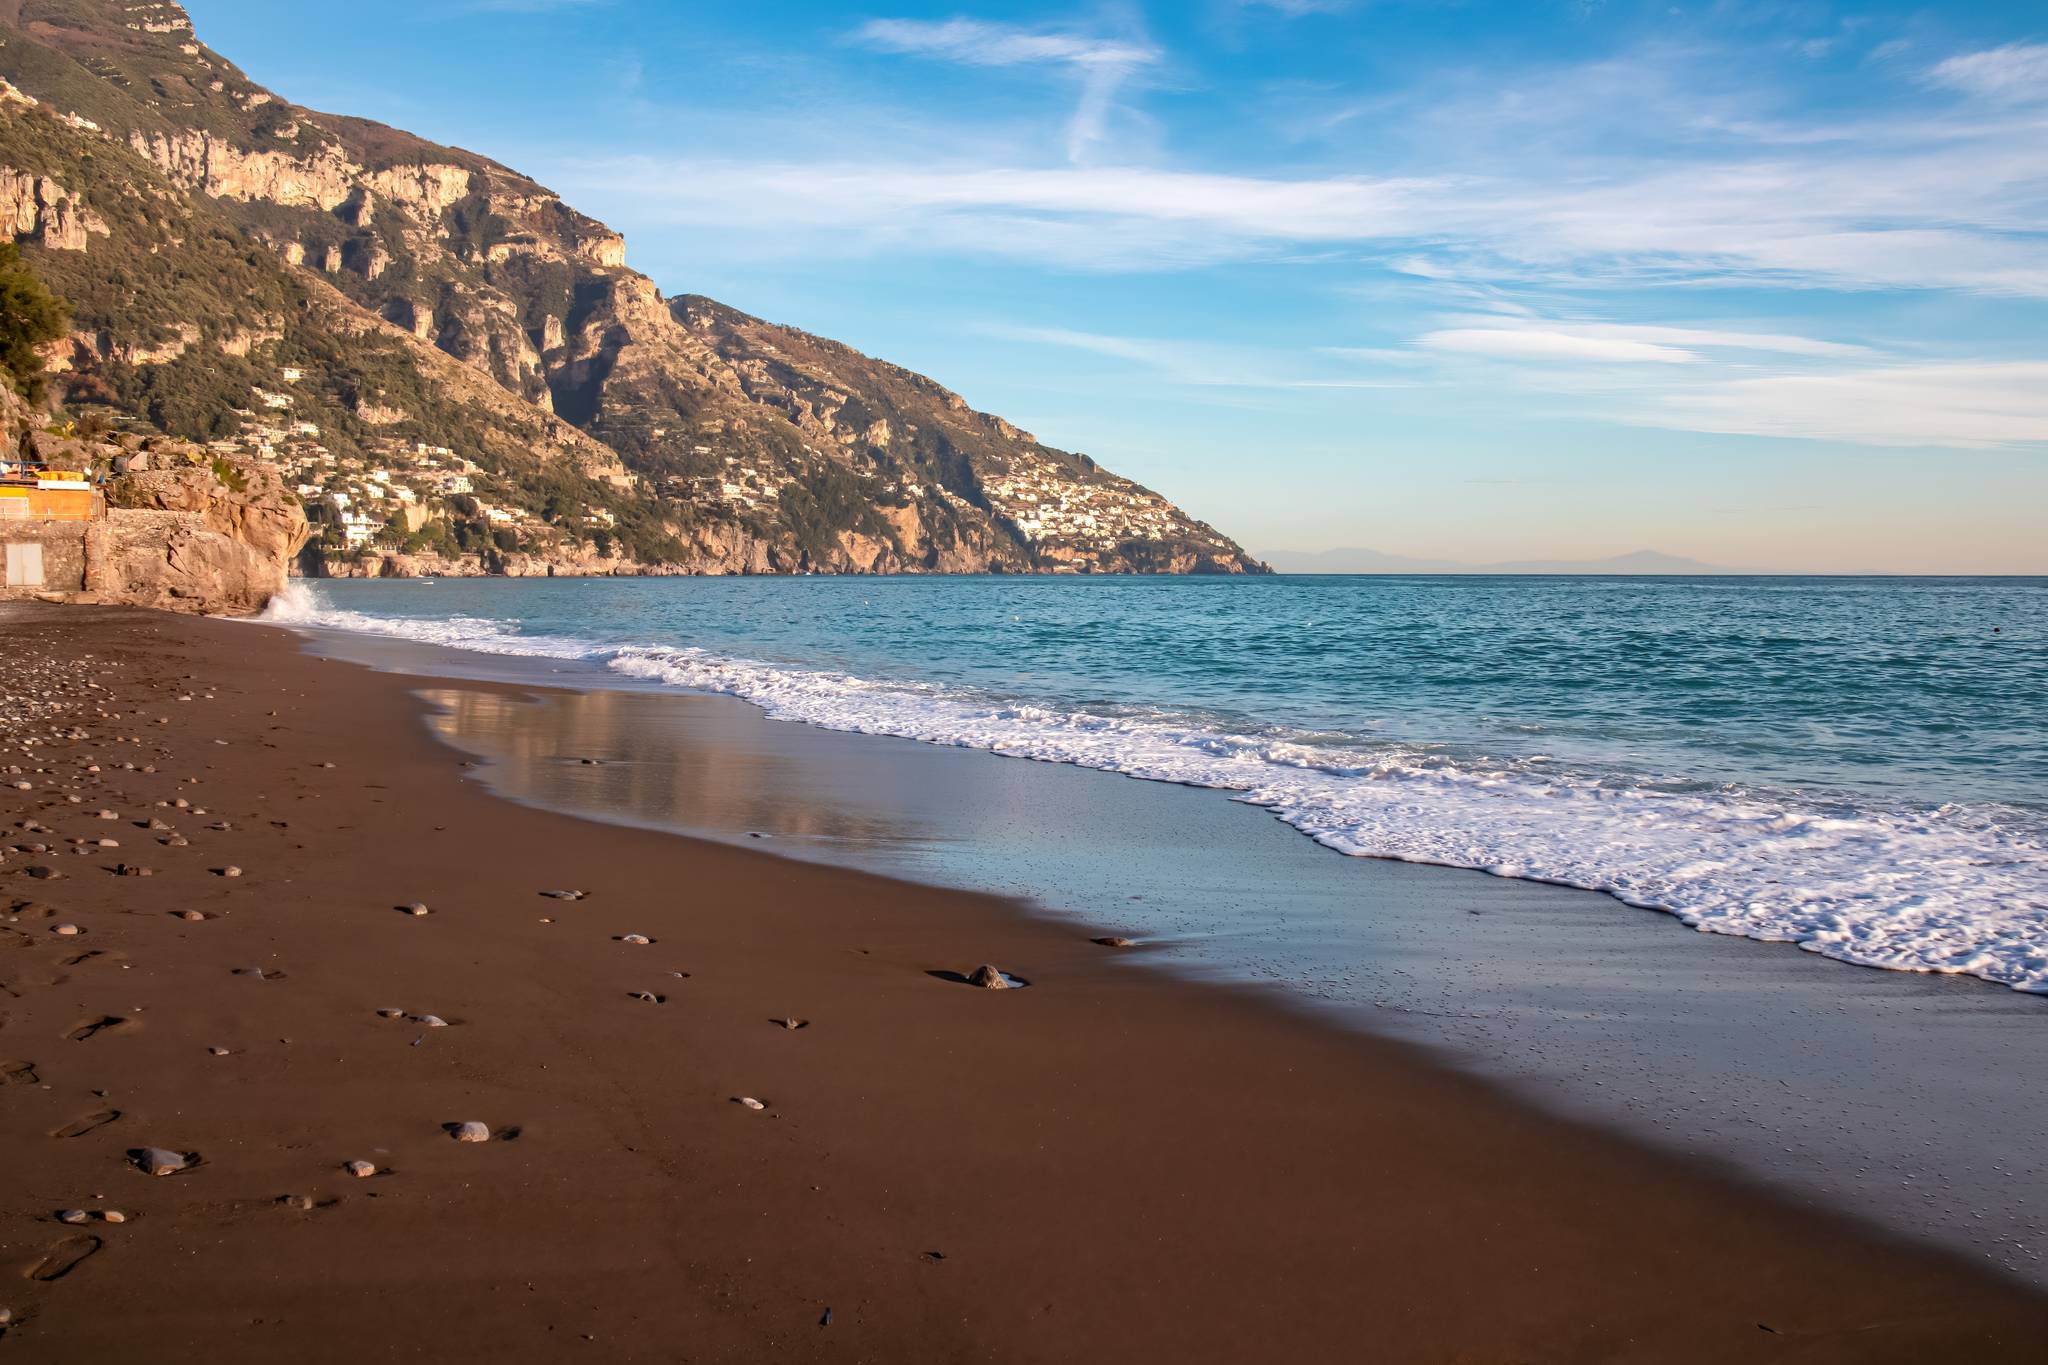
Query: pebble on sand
361, 1170
231, 871
113, 1216
74, 1216
565, 895
793, 1023
192, 915
1115, 941
749, 1102
160, 1160
416, 908
641, 939
471, 1131
988, 978
68, 930
218, 1051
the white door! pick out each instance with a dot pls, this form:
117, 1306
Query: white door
24, 565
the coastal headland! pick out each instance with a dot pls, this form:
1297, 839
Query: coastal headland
216, 848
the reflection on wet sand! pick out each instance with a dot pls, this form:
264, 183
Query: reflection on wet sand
668, 761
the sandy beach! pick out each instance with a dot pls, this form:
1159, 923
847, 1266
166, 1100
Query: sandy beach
1107, 1163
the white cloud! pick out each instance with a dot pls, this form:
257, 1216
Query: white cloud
1940, 219
1200, 364
1656, 337
1104, 63
1296, 9
1529, 343
1967, 406
2016, 72
986, 44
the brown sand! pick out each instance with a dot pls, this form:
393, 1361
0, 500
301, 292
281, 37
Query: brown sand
1111, 1164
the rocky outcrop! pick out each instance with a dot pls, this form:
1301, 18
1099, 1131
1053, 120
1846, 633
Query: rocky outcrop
200, 535
183, 529
36, 208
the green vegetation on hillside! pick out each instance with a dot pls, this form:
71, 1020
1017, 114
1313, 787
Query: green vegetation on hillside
30, 317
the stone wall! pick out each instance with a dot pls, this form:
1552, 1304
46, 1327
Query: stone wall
64, 554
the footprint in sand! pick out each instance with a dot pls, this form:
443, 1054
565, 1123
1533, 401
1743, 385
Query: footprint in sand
86, 1123
62, 1258
92, 1028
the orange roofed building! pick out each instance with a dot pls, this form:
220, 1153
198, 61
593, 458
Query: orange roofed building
47, 519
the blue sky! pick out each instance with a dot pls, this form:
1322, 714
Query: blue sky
1761, 283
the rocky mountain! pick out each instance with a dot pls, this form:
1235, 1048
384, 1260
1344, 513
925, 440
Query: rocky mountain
458, 371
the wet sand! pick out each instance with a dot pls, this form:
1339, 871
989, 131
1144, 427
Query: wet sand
1887, 1095
1106, 1164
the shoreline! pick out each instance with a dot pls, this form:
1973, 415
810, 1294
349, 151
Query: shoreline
1697, 1045
1936, 884
1107, 1161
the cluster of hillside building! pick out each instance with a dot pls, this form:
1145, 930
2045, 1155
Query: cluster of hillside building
1050, 510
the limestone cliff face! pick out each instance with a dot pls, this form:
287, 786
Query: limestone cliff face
427, 299
38, 208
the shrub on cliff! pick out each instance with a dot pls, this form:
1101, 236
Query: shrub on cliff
30, 317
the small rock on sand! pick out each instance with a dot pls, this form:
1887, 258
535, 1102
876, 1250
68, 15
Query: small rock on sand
793, 1023
565, 895
159, 1160
218, 1051
113, 1216
74, 1216
416, 908
471, 1131
749, 1102
231, 871
296, 1201
988, 978
361, 1170
641, 939
192, 915
647, 997
1115, 941
68, 930
430, 1020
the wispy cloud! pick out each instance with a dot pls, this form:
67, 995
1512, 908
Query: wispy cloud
1736, 382
530, 6
1197, 364
2017, 72
1531, 343
1964, 406
987, 44
1104, 64
1295, 9
1955, 218
1536, 338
